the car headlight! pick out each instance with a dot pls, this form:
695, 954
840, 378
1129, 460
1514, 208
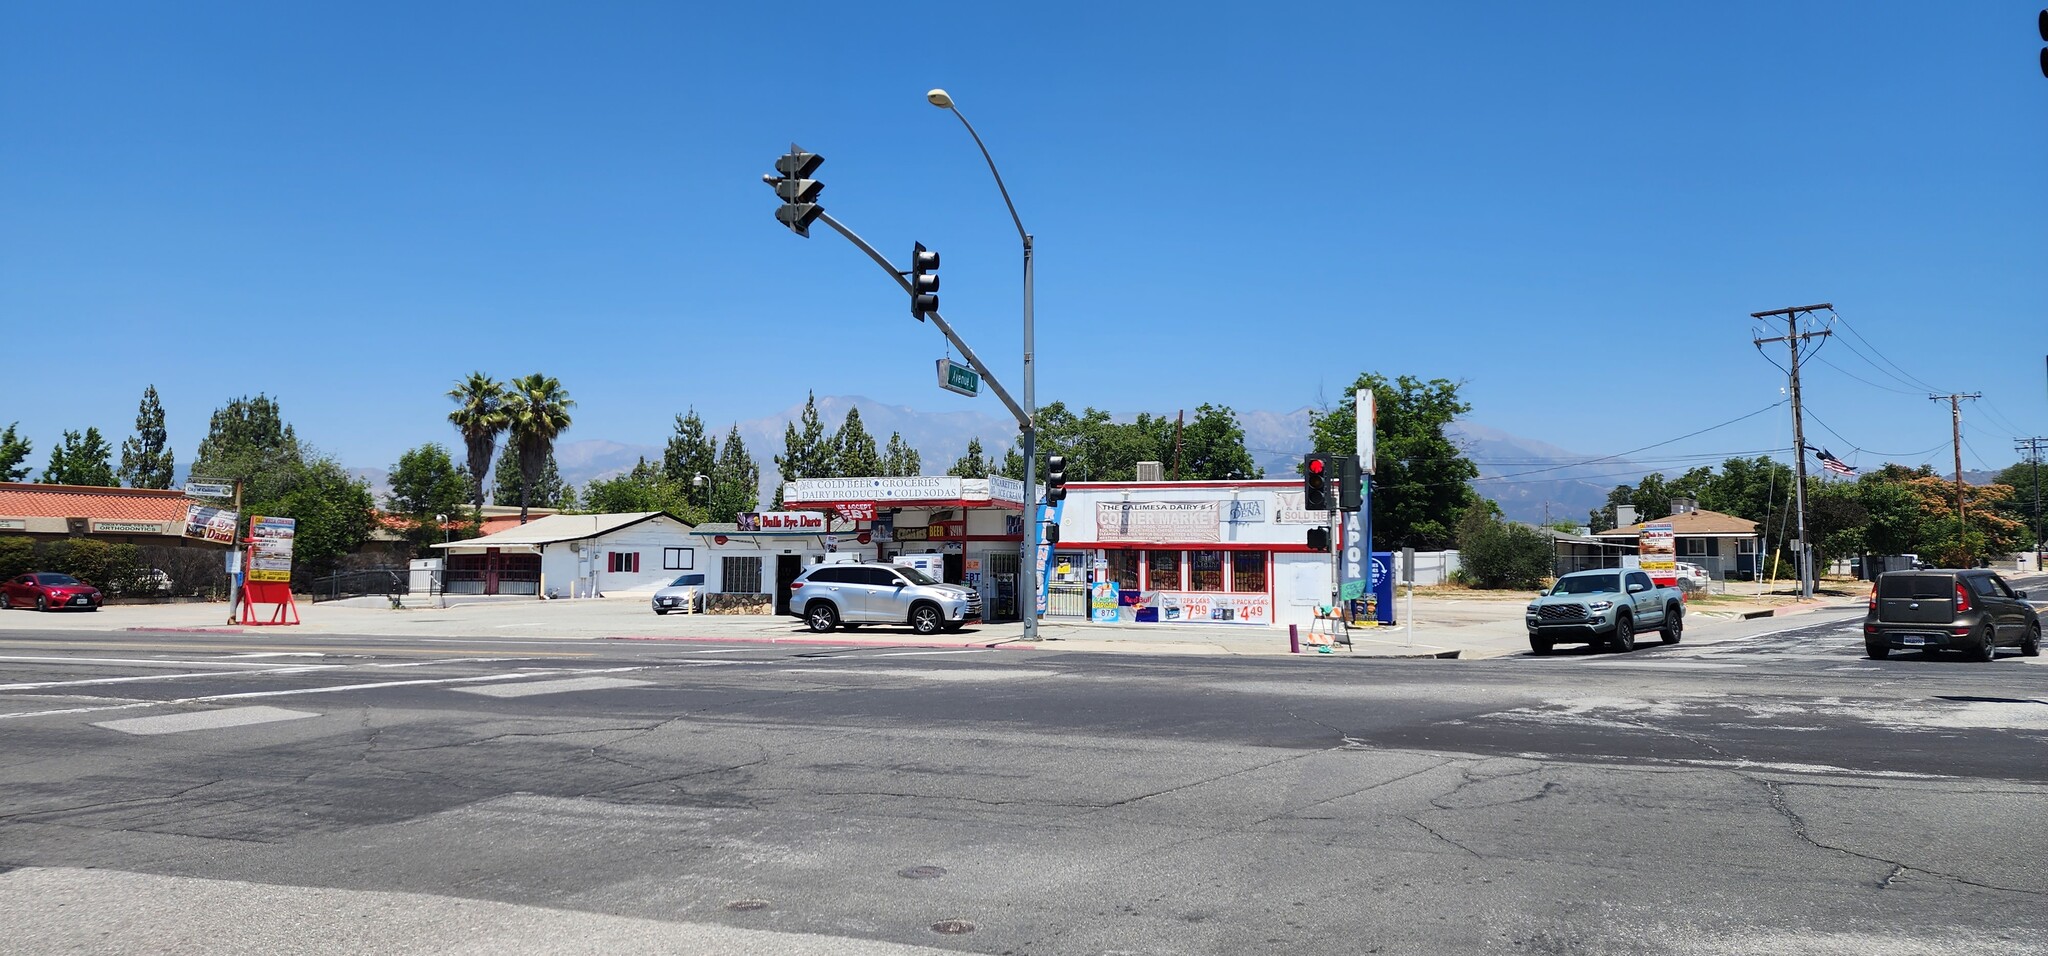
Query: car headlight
1600, 605
1532, 608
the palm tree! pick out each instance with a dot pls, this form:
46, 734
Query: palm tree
537, 409
481, 419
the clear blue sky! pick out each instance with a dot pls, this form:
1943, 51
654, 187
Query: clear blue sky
1571, 208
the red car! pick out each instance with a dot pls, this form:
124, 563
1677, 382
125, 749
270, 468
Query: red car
46, 591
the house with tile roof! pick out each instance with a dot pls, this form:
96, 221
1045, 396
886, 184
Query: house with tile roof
118, 515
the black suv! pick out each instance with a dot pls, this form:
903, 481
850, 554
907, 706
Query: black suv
1972, 611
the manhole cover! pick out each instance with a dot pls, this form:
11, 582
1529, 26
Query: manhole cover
952, 927
921, 872
747, 906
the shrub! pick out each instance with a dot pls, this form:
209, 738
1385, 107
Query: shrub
1496, 554
17, 556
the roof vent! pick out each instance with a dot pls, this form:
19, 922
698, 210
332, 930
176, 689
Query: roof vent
1684, 506
1151, 471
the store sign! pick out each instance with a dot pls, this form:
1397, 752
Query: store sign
210, 524
270, 554
800, 521
1196, 607
1287, 509
209, 488
1244, 511
871, 489
1658, 548
913, 534
1005, 489
855, 510
1157, 522
13, 524
128, 527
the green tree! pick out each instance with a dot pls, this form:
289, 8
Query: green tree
736, 484
1422, 482
17, 556
146, 459
536, 411
853, 449
426, 484
335, 514
548, 490
806, 453
899, 460
1212, 447
1496, 554
248, 440
646, 487
1892, 515
973, 464
1836, 519
2030, 490
690, 453
81, 460
14, 450
479, 417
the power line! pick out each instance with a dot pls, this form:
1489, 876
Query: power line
1660, 444
1906, 376
1858, 448
1865, 381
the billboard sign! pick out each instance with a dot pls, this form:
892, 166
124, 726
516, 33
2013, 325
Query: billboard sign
270, 554
210, 524
1658, 549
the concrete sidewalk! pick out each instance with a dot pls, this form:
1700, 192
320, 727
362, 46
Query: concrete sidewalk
1444, 627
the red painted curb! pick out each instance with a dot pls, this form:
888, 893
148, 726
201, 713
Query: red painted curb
187, 630
820, 642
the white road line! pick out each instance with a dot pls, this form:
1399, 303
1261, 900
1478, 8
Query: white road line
564, 686
977, 650
139, 661
1683, 665
530, 640
456, 660
299, 669
204, 720
282, 654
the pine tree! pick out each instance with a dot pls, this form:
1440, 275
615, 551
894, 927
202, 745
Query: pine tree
900, 460
805, 451
147, 459
249, 441
13, 451
81, 460
974, 464
853, 449
736, 482
548, 489
690, 453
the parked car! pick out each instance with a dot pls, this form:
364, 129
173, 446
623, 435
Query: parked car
1692, 577
827, 596
1973, 611
48, 591
1604, 607
685, 594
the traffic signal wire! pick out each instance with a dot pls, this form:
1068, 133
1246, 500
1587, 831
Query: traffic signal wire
1624, 454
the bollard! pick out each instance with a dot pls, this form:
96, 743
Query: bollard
1293, 639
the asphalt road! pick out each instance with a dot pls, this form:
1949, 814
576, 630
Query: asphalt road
276, 793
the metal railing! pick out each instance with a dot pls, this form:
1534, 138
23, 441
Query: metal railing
372, 582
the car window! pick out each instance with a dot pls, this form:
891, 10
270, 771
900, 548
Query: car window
1921, 586
827, 576
1639, 578
1587, 584
2004, 590
879, 577
1982, 585
59, 579
914, 575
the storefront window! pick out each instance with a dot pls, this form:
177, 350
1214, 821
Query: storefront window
1205, 570
1123, 569
1164, 571
1248, 571
741, 575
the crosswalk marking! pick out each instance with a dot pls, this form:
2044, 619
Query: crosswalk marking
204, 720
564, 686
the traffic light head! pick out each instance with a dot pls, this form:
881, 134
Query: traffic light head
1350, 485
792, 181
2042, 25
1055, 478
924, 287
1319, 540
1052, 532
1315, 483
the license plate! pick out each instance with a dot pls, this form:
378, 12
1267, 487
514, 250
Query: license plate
1912, 640
80, 600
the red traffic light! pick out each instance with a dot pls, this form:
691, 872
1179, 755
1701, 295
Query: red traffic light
1315, 466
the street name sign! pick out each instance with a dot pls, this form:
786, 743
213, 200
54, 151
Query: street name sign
955, 377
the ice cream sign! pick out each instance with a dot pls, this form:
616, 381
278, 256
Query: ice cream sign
803, 522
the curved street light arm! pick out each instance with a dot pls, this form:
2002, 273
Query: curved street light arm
1005, 190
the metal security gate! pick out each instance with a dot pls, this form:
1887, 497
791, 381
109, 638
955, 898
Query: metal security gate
1066, 600
999, 585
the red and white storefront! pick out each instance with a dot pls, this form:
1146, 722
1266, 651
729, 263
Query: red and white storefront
1188, 552
972, 527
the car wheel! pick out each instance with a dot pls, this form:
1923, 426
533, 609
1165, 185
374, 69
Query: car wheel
821, 617
1674, 624
42, 603
1624, 637
925, 619
6, 603
1877, 651
2030, 646
1987, 645
1539, 647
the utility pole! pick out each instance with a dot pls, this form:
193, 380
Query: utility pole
2032, 448
1955, 419
1792, 338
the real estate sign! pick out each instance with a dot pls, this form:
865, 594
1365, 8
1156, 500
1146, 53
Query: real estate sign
270, 556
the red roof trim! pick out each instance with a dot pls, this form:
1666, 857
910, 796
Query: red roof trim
1184, 546
1245, 483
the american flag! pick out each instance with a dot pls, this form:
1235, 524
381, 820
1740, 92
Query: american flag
1831, 463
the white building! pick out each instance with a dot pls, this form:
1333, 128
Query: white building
573, 556
1210, 552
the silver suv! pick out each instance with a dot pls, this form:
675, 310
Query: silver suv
827, 596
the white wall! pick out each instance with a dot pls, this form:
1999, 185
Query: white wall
1300, 583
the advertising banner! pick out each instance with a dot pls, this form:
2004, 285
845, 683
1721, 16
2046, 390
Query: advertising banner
1658, 548
872, 489
805, 522
1287, 510
885, 528
1197, 607
1157, 522
1044, 555
1102, 602
855, 510
270, 556
210, 524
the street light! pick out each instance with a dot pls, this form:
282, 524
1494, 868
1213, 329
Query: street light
944, 101
702, 480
